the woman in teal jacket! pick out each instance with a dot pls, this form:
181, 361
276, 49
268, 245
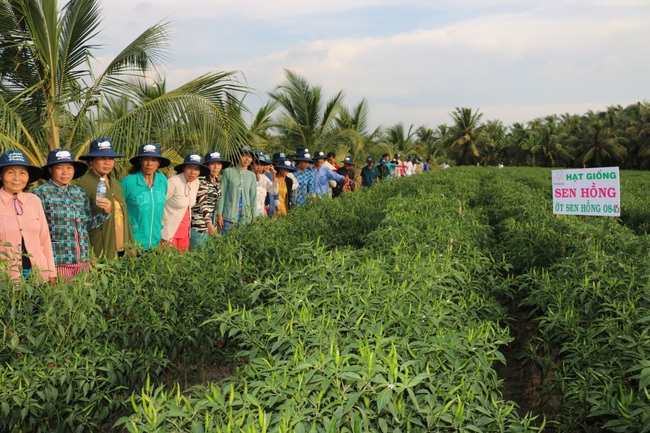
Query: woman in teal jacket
238, 200
145, 192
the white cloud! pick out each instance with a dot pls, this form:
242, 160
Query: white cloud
515, 60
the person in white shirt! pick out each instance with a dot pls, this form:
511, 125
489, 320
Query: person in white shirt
265, 186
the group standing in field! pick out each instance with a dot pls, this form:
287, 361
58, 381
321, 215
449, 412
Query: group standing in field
81, 211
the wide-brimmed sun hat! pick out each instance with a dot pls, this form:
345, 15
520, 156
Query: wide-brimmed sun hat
216, 156
370, 159
102, 147
151, 150
60, 156
277, 156
319, 154
348, 160
302, 154
16, 157
285, 163
193, 159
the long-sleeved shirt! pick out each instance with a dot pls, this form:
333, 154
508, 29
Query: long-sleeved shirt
306, 188
22, 219
145, 206
322, 177
264, 187
238, 195
105, 239
70, 218
204, 210
181, 196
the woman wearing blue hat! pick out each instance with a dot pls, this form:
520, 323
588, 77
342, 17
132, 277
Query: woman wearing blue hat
145, 193
284, 168
204, 216
181, 197
305, 175
238, 192
266, 182
347, 171
25, 238
68, 212
111, 239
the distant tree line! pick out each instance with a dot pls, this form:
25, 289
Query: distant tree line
298, 115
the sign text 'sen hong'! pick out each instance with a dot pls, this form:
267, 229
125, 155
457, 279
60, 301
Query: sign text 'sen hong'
589, 191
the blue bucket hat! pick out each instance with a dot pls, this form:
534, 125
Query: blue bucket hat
285, 163
102, 147
215, 156
348, 160
16, 157
302, 154
193, 159
151, 150
277, 156
319, 155
370, 159
60, 156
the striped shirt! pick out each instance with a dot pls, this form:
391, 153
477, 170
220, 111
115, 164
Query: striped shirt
203, 211
69, 218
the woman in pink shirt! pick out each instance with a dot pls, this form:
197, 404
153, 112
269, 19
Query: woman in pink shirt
25, 245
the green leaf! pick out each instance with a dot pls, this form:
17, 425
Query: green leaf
383, 398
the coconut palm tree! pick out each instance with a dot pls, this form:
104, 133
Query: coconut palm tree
397, 139
599, 144
306, 119
551, 142
466, 137
50, 98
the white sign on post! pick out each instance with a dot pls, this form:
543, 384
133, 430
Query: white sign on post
589, 191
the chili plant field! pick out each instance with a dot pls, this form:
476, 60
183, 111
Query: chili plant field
382, 311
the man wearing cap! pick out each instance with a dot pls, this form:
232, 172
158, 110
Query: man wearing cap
369, 173
145, 193
323, 175
24, 236
111, 239
304, 175
68, 212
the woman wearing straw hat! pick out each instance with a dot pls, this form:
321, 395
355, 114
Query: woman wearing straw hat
145, 193
111, 239
25, 238
181, 197
204, 212
68, 212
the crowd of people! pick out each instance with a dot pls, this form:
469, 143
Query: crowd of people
80, 211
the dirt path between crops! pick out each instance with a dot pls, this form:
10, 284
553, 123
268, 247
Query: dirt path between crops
521, 378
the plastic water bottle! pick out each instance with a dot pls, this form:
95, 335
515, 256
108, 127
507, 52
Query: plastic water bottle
101, 189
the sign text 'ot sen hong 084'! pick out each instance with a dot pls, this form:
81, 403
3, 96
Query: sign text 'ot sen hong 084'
589, 191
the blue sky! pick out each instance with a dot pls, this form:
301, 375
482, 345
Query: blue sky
413, 61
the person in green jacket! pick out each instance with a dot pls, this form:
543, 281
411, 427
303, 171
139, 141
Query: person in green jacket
113, 237
238, 192
145, 193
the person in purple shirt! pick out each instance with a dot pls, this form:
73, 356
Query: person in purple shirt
323, 175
